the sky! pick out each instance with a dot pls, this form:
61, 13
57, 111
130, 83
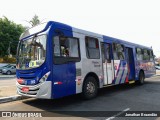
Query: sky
135, 21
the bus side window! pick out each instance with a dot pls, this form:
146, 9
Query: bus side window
102, 52
139, 54
105, 47
151, 54
66, 49
92, 48
108, 55
118, 51
115, 51
56, 46
145, 55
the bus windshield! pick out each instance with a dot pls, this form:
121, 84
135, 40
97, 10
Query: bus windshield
31, 52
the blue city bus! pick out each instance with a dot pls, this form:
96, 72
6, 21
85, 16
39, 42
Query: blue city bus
56, 60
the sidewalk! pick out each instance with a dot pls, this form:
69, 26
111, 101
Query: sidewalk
8, 94
7, 91
157, 72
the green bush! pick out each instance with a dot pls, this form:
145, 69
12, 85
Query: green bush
1, 60
7, 59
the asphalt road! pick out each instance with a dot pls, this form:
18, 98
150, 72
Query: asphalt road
118, 98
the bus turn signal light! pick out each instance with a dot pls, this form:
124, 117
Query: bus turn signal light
20, 81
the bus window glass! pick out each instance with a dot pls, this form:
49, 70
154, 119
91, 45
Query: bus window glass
139, 54
118, 51
66, 49
151, 54
73, 47
56, 46
145, 55
32, 52
102, 53
108, 52
115, 51
92, 47
105, 52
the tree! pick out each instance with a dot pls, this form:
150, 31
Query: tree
9, 36
35, 21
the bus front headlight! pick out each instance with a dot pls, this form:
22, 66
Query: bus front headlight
44, 78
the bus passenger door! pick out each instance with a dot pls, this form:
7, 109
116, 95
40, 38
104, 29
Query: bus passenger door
131, 64
120, 64
107, 64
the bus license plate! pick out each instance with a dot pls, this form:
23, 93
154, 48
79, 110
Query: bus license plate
25, 89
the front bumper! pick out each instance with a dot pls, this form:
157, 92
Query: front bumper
41, 90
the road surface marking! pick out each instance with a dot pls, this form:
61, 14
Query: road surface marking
114, 116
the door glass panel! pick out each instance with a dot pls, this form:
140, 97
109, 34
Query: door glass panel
107, 52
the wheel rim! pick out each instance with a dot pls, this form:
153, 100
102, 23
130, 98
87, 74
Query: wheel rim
8, 72
90, 88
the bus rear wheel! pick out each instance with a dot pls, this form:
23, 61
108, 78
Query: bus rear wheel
141, 78
90, 88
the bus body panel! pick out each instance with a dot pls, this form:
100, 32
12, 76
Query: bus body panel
63, 75
86, 66
146, 66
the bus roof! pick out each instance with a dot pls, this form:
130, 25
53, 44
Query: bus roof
127, 43
62, 25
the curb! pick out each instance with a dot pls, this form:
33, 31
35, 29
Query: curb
12, 98
157, 75
13, 76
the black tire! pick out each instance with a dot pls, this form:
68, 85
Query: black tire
8, 72
90, 88
141, 78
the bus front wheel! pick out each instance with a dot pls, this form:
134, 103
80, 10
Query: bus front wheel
90, 88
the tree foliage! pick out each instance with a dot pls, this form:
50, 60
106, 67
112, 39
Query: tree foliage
35, 20
9, 34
